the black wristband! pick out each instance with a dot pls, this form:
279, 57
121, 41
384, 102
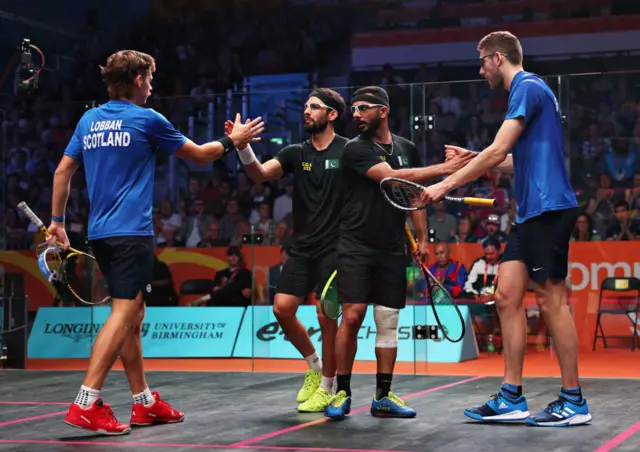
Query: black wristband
227, 143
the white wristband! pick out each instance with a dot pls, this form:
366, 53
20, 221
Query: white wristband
247, 157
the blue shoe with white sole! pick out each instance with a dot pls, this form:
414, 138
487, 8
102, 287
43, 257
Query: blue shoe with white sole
562, 413
500, 409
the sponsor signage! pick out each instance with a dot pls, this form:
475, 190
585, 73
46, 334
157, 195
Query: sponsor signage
221, 332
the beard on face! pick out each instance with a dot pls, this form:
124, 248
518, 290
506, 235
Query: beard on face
371, 126
496, 81
314, 126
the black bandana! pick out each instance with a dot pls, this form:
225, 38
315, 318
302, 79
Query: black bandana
328, 101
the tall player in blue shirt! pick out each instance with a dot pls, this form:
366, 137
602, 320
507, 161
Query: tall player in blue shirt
118, 143
529, 144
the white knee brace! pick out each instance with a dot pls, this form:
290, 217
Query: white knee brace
386, 326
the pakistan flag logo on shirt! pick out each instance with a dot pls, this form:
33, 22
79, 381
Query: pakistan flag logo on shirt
332, 164
403, 160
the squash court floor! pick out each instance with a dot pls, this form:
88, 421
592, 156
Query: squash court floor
257, 411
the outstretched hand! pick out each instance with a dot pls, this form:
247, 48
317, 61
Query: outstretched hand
452, 152
457, 158
244, 134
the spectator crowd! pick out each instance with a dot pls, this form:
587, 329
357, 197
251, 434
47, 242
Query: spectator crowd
200, 55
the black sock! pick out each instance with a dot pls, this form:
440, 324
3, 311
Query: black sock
344, 383
383, 385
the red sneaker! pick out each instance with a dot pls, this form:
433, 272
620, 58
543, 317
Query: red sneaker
158, 413
98, 418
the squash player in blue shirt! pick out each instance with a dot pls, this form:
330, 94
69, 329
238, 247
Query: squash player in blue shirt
118, 143
538, 246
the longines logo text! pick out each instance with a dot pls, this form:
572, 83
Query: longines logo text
80, 331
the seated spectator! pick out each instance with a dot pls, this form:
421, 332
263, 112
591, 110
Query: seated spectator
275, 271
601, 200
632, 196
464, 235
212, 237
169, 219
509, 218
282, 232
442, 223
163, 292
623, 228
196, 225
451, 274
242, 228
264, 224
483, 274
194, 192
584, 230
230, 220
492, 226
232, 286
284, 203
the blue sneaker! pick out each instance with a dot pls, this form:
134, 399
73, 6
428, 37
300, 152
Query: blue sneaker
339, 407
500, 409
391, 406
562, 413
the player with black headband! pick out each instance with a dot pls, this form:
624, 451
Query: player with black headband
315, 165
371, 248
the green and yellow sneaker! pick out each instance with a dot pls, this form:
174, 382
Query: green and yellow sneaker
317, 402
339, 407
391, 406
311, 383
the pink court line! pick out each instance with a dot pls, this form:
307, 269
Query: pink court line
32, 418
359, 410
192, 446
621, 438
33, 403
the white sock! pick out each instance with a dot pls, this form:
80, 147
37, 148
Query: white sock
314, 361
86, 396
145, 398
326, 383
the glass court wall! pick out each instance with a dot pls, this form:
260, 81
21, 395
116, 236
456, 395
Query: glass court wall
201, 211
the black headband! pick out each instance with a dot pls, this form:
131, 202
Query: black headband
328, 101
369, 97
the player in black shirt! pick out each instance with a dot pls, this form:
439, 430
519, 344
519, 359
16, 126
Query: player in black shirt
371, 253
317, 202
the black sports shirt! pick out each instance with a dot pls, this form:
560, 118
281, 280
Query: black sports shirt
368, 220
317, 198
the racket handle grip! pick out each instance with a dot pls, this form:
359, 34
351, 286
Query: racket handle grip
480, 202
31, 216
412, 241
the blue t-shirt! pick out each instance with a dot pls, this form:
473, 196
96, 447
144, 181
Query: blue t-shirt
117, 144
541, 181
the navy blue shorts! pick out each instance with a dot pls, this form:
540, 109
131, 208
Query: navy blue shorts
126, 263
542, 243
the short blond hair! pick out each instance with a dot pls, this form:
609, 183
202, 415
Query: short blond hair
504, 42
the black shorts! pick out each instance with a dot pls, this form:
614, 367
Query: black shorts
373, 277
126, 263
301, 275
542, 243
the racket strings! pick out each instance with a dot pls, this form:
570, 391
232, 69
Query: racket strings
85, 279
403, 194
